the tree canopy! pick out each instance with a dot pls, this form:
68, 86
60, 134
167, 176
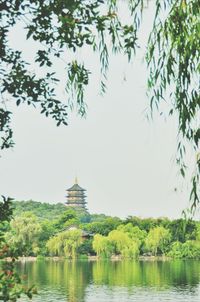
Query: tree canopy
173, 59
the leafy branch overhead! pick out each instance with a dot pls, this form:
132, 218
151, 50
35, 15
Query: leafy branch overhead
60, 27
173, 58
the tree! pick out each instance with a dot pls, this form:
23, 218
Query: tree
66, 219
65, 243
190, 249
173, 59
5, 209
86, 247
11, 286
158, 240
124, 241
102, 246
24, 234
123, 244
182, 229
40, 209
47, 231
57, 25
133, 232
103, 227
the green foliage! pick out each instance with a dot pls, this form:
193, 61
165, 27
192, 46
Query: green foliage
173, 60
40, 209
124, 241
98, 217
147, 223
103, 227
124, 245
56, 26
158, 240
127, 238
11, 286
24, 234
65, 243
86, 248
135, 233
102, 246
45, 211
190, 250
197, 232
5, 209
47, 231
66, 219
10, 283
182, 230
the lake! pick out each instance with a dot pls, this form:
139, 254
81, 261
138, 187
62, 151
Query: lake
113, 281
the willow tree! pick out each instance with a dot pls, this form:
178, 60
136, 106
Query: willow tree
158, 240
65, 243
59, 26
24, 234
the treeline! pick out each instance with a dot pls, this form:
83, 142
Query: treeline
41, 229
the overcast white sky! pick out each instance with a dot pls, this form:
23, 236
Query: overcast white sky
125, 162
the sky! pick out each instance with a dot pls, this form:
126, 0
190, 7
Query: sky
124, 161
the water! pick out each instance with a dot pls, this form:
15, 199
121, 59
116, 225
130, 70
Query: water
118, 281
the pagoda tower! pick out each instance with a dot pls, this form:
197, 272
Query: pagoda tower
76, 196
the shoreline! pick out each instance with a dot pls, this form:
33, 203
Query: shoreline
91, 258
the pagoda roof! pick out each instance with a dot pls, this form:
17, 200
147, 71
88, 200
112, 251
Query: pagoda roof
76, 187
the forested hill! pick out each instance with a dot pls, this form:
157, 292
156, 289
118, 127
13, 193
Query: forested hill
47, 211
40, 209
43, 229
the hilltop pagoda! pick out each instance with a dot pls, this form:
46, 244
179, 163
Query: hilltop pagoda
76, 196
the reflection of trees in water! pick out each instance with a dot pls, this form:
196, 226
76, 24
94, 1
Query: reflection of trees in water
147, 273
68, 277
72, 278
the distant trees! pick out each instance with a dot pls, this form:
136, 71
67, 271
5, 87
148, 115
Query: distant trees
35, 234
103, 226
42, 210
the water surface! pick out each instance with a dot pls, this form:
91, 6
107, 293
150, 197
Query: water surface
118, 281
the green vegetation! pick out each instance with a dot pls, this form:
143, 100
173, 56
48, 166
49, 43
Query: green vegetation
24, 234
60, 29
157, 239
39, 209
173, 61
65, 243
11, 286
75, 233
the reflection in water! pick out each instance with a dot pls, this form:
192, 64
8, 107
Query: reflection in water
73, 281
147, 273
69, 278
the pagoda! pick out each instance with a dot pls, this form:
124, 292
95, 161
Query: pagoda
76, 196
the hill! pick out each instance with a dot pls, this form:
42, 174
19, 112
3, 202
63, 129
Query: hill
40, 209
